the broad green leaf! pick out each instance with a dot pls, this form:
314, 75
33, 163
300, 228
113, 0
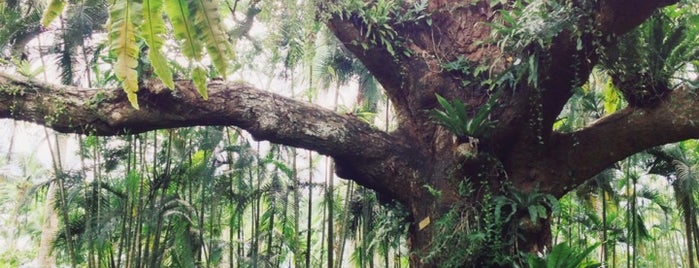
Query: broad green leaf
442, 101
122, 37
208, 22
179, 14
153, 34
612, 100
460, 109
52, 11
199, 78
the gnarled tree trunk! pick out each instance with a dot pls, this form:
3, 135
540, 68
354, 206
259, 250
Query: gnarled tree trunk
421, 165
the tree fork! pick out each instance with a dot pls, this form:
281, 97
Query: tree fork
402, 165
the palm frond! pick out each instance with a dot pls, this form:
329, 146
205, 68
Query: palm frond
65, 62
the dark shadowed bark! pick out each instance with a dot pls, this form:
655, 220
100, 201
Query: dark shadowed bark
400, 164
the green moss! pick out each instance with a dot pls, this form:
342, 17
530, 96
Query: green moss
54, 111
12, 90
94, 101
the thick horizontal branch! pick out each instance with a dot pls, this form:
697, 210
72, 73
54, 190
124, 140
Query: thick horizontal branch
577, 156
265, 115
620, 16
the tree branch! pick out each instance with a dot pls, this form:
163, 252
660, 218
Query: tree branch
572, 65
620, 16
567, 67
577, 156
265, 115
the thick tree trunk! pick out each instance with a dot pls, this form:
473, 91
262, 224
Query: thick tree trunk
522, 151
421, 165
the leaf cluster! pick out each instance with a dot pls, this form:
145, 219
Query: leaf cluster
18, 22
645, 73
524, 24
535, 203
378, 19
196, 25
455, 118
563, 256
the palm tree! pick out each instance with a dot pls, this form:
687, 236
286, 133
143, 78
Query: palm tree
681, 171
20, 21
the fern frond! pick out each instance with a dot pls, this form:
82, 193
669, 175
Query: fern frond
207, 21
153, 34
52, 11
199, 78
673, 40
179, 14
122, 36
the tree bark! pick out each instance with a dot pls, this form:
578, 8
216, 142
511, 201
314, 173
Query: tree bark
522, 151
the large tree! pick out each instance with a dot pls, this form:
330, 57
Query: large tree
505, 70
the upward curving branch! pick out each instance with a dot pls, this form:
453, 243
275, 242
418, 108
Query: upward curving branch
575, 157
569, 66
265, 115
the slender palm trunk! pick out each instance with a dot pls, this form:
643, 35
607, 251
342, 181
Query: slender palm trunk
297, 209
272, 206
284, 224
309, 219
256, 211
131, 162
10, 146
603, 194
231, 204
48, 229
635, 224
58, 170
296, 195
343, 224
330, 198
688, 237
629, 215
311, 41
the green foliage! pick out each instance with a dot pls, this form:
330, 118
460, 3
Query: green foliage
154, 34
179, 13
644, 74
25, 68
485, 232
461, 64
195, 24
535, 203
124, 16
379, 18
52, 11
528, 24
434, 192
612, 98
562, 256
376, 18
16, 23
479, 232
464, 68
199, 78
460, 228
208, 24
454, 117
